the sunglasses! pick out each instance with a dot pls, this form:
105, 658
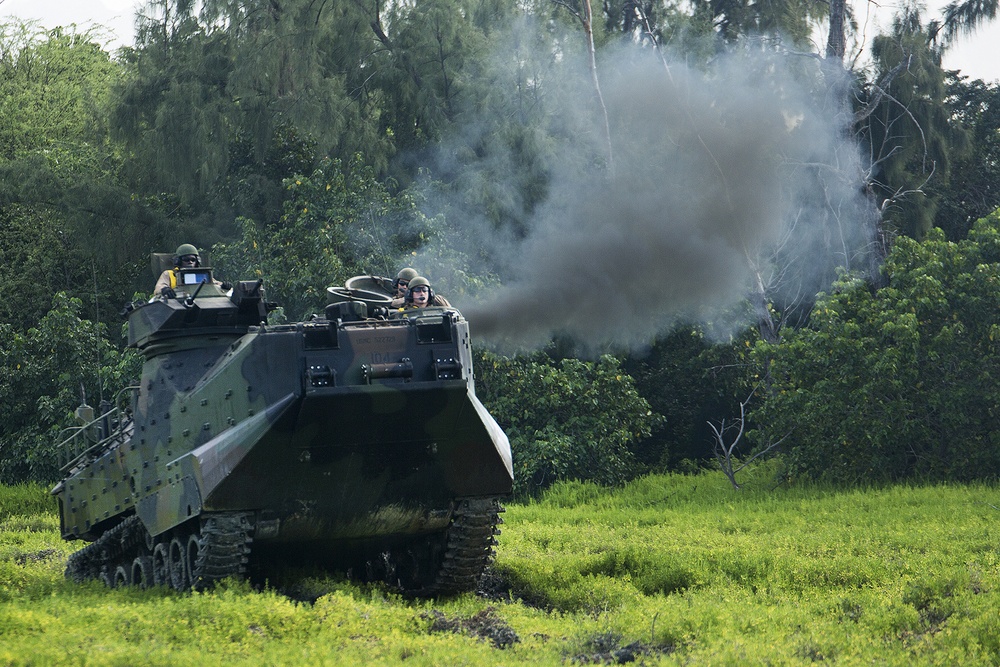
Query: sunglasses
420, 288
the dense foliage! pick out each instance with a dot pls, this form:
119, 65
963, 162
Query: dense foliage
67, 222
48, 367
566, 419
914, 104
899, 382
337, 222
690, 381
975, 180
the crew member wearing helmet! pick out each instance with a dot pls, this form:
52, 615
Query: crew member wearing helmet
399, 284
420, 295
186, 257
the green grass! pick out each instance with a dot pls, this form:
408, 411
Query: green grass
670, 570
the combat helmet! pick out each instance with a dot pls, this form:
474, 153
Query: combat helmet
420, 281
185, 249
406, 274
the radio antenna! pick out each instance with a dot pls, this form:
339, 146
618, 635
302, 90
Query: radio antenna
377, 233
97, 316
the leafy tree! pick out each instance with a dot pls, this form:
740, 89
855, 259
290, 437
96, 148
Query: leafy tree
47, 367
435, 49
214, 89
67, 221
54, 91
253, 185
973, 190
37, 259
337, 223
567, 419
735, 19
962, 17
899, 382
908, 134
216, 94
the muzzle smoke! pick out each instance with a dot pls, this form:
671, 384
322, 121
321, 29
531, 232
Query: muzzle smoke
719, 184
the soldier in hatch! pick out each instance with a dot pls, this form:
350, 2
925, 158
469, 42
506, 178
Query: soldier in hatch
420, 295
186, 257
402, 282
400, 285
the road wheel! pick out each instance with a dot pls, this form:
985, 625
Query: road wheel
161, 565
193, 561
123, 576
142, 572
177, 562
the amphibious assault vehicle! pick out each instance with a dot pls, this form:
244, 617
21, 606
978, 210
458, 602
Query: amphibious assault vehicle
352, 440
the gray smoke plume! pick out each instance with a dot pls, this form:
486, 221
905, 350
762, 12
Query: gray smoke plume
720, 185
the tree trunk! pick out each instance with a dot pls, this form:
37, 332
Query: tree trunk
835, 45
588, 27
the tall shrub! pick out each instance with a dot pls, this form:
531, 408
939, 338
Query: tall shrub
900, 382
566, 419
46, 367
338, 221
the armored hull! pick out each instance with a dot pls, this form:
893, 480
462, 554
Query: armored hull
341, 441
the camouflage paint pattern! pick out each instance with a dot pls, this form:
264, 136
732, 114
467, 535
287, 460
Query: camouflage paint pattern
328, 431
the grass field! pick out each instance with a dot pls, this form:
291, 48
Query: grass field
672, 570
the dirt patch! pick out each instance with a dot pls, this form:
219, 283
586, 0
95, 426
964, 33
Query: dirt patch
35, 556
484, 625
607, 649
496, 586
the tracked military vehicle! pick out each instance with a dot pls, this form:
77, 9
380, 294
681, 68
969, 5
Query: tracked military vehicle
352, 440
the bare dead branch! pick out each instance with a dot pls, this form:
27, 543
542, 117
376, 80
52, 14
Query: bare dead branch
570, 8
724, 451
880, 90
